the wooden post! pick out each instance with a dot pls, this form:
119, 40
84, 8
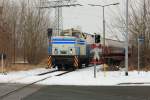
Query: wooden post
2, 63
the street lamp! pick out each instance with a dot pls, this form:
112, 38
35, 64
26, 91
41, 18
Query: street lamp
103, 6
126, 40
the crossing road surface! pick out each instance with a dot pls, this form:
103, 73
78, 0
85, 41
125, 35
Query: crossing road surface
17, 95
91, 93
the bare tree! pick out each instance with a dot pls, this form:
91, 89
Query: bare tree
139, 17
23, 28
36, 24
5, 34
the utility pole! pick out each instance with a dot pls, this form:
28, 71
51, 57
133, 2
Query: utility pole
138, 56
14, 37
144, 33
58, 26
103, 27
126, 40
24, 34
58, 5
2, 62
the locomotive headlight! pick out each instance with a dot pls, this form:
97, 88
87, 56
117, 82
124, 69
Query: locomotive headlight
71, 51
55, 51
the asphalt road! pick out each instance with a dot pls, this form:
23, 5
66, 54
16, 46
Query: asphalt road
7, 87
91, 93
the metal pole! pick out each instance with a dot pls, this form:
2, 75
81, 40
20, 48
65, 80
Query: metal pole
2, 63
104, 26
58, 22
126, 36
14, 46
94, 69
138, 56
104, 38
14, 37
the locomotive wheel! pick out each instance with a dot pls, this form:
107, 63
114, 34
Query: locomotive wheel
72, 68
80, 65
60, 69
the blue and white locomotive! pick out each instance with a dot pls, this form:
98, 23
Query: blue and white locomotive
68, 51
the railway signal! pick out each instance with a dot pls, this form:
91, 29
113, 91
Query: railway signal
97, 51
49, 32
97, 38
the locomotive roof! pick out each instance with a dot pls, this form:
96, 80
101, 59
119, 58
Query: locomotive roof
67, 37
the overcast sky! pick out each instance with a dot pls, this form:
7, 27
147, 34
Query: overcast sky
89, 19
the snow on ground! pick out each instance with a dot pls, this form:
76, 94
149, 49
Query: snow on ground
84, 77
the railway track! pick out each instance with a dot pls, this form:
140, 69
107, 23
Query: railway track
47, 72
32, 83
23, 77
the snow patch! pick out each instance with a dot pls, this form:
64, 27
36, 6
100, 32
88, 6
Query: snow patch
82, 77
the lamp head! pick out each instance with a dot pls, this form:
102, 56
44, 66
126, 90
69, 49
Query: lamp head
116, 4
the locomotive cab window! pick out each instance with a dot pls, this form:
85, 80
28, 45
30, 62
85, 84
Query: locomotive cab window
76, 34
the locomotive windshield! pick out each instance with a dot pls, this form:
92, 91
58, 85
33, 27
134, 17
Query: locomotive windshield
72, 32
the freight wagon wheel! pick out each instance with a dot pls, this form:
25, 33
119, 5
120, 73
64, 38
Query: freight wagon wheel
59, 69
87, 64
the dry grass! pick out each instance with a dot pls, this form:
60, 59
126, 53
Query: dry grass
24, 67
147, 68
18, 67
21, 67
